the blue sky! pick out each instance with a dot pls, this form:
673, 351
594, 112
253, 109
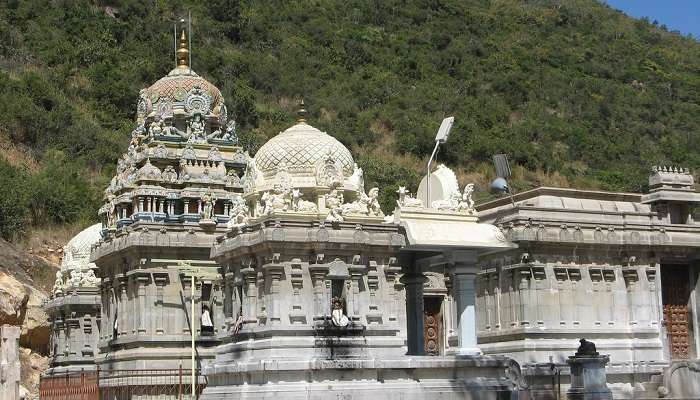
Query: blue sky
680, 15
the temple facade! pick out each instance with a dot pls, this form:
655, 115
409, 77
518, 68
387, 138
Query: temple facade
617, 268
280, 274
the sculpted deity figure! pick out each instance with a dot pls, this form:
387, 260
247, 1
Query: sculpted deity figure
75, 277
357, 178
89, 279
231, 132
232, 178
338, 316
334, 202
58, 284
156, 127
169, 174
406, 200
111, 214
238, 214
366, 204
196, 129
373, 202
208, 201
466, 203
460, 202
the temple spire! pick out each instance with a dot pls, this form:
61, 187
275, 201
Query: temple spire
301, 112
183, 51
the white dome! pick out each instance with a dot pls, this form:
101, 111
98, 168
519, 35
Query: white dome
76, 252
300, 149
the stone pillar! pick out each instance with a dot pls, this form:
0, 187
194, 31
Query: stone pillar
355, 308
145, 314
9, 362
318, 274
273, 273
464, 271
160, 280
413, 281
588, 379
250, 314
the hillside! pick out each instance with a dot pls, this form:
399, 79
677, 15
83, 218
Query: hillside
578, 94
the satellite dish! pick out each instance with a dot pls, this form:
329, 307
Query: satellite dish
500, 184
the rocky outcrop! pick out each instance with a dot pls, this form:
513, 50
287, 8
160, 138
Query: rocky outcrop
33, 364
14, 296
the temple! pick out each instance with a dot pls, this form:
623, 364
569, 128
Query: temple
278, 273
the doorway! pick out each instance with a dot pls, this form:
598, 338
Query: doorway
432, 325
675, 296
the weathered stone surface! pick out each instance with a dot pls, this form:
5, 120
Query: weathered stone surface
13, 300
32, 365
36, 329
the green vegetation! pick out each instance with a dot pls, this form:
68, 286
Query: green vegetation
577, 93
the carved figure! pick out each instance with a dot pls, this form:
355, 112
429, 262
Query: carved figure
58, 284
239, 215
467, 203
208, 201
373, 202
232, 178
357, 178
334, 202
196, 129
75, 278
586, 349
169, 174
111, 214
89, 279
338, 316
156, 127
406, 200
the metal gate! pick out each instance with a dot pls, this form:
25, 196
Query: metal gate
142, 384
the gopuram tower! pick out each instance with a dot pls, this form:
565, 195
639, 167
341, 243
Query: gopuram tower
172, 195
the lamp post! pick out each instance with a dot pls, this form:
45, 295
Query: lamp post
440, 138
194, 273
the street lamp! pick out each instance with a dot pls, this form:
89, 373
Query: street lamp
194, 272
440, 138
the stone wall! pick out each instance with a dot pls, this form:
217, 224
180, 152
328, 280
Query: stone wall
9, 362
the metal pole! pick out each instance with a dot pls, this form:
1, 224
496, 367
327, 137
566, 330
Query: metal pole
427, 197
189, 39
192, 328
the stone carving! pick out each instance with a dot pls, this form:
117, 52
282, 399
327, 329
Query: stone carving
367, 204
586, 349
149, 171
338, 316
458, 202
169, 174
188, 153
198, 102
58, 285
232, 178
208, 202
329, 173
161, 151
357, 178
238, 214
406, 200
334, 202
214, 154
196, 129
302, 205
156, 127
283, 199
89, 279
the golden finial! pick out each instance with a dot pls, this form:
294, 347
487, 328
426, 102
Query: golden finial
301, 112
183, 52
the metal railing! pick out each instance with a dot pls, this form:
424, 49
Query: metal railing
135, 384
